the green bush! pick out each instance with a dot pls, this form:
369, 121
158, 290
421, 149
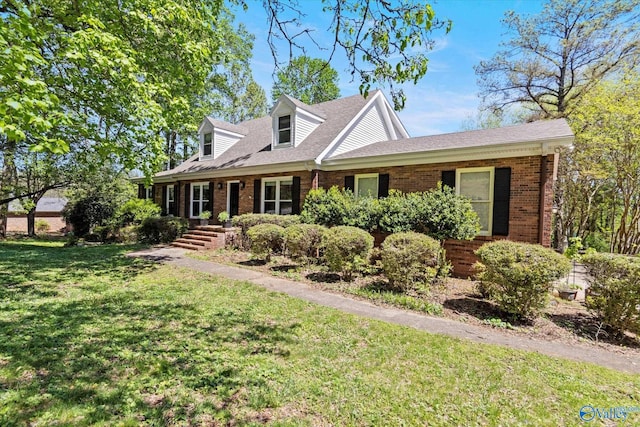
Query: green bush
398, 212
246, 221
303, 241
161, 229
265, 240
614, 290
336, 206
85, 213
519, 276
410, 259
135, 211
346, 249
42, 226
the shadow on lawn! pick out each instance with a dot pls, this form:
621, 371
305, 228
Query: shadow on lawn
112, 356
587, 326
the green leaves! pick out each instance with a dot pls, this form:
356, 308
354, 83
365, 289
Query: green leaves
310, 80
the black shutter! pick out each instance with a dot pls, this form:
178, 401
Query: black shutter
141, 192
383, 185
501, 196
449, 178
176, 199
295, 197
210, 204
350, 182
257, 190
163, 207
187, 199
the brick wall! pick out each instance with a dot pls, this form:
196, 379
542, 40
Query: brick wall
18, 223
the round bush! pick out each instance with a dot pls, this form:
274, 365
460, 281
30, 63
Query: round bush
410, 258
346, 249
246, 221
162, 229
519, 276
42, 226
614, 286
265, 240
303, 241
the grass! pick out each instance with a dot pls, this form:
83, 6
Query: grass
89, 337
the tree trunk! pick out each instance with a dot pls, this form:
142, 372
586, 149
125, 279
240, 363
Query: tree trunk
7, 181
31, 222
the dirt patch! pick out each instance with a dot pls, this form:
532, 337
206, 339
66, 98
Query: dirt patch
562, 321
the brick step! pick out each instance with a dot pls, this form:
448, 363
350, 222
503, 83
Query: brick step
192, 242
204, 238
203, 233
187, 246
217, 228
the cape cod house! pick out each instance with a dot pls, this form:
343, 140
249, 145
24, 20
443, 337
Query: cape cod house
269, 164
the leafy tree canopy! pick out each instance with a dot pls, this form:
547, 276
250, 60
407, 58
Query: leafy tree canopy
554, 58
310, 80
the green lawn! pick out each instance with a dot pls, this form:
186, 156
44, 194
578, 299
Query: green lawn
88, 337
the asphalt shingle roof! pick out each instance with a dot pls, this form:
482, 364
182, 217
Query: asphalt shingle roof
529, 132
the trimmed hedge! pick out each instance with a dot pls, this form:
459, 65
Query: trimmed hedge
303, 241
162, 229
265, 240
246, 221
337, 206
346, 249
519, 276
614, 290
410, 259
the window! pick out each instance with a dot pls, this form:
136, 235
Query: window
277, 195
171, 199
207, 145
148, 193
477, 184
199, 198
366, 185
284, 129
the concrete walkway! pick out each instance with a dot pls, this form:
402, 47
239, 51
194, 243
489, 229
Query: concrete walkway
175, 256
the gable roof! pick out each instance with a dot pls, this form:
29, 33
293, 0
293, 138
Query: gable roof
543, 131
254, 150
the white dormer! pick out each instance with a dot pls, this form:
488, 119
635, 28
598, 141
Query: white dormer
217, 136
292, 121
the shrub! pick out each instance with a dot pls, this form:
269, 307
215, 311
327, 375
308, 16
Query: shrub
87, 212
161, 229
303, 241
266, 239
42, 226
409, 259
398, 212
135, 211
519, 276
246, 221
614, 290
346, 249
336, 206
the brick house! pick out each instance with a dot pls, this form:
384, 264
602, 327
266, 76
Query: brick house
269, 164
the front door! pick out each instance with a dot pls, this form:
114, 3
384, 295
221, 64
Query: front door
234, 198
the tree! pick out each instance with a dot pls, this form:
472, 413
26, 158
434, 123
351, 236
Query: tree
385, 42
608, 154
556, 57
310, 80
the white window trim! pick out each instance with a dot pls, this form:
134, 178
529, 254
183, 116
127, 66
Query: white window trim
202, 155
277, 143
236, 181
365, 175
278, 180
194, 184
148, 193
168, 199
491, 171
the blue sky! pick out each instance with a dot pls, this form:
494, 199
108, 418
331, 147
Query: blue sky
448, 94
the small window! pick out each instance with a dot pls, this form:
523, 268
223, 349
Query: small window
207, 146
477, 184
366, 185
278, 196
171, 199
284, 129
199, 199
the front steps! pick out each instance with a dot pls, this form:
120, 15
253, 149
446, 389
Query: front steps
202, 237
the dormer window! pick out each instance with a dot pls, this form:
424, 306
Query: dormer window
207, 145
284, 129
